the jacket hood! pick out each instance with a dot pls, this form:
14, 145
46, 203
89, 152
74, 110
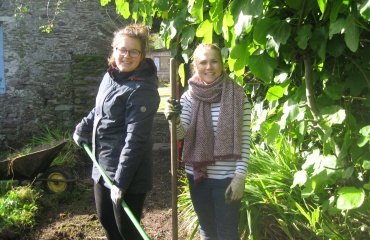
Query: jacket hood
147, 72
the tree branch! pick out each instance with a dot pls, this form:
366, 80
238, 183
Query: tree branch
309, 85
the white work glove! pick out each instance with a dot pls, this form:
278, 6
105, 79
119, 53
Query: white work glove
116, 194
236, 189
79, 140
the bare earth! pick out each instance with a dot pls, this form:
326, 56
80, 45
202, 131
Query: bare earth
76, 218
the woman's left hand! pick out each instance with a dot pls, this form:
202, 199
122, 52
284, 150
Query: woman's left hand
236, 189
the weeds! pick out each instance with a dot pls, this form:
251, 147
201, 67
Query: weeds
18, 210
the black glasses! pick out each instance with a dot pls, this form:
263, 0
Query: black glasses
133, 53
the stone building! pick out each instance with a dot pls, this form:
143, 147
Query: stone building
49, 80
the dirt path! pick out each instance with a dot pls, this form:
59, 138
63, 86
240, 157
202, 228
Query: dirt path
74, 217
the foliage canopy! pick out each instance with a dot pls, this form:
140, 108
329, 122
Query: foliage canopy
305, 66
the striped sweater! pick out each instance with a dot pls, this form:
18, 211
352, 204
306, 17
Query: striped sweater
221, 169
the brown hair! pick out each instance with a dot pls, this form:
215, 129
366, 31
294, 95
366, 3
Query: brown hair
134, 31
205, 46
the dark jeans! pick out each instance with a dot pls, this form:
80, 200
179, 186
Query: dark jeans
116, 223
217, 220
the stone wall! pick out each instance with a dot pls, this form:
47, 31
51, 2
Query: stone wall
52, 78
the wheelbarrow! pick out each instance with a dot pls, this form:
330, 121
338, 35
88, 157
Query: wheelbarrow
35, 166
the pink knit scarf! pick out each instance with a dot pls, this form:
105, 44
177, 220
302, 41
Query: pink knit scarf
201, 147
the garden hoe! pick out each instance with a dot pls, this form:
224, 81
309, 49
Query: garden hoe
123, 203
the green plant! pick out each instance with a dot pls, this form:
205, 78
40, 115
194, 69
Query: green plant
68, 154
188, 218
269, 201
18, 210
273, 200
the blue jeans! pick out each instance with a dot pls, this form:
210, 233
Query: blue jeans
217, 220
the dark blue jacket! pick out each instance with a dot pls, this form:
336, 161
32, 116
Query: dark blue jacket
121, 125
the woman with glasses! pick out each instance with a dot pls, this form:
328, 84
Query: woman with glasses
119, 128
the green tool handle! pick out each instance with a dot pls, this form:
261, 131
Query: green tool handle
124, 205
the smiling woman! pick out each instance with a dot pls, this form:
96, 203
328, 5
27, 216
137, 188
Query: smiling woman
126, 54
119, 128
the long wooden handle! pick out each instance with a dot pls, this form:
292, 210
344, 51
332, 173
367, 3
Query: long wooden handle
173, 86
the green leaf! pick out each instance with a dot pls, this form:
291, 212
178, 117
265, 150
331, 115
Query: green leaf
182, 74
345, 146
318, 41
333, 115
366, 164
196, 11
334, 91
162, 5
351, 34
337, 27
272, 134
172, 29
123, 8
135, 10
365, 10
356, 82
311, 160
307, 192
335, 10
238, 58
280, 32
217, 26
216, 10
367, 100
243, 23
261, 29
365, 131
243, 13
367, 186
105, 2
350, 198
295, 4
348, 172
227, 21
187, 37
304, 34
263, 66
276, 92
179, 20
365, 138
186, 54
205, 30
292, 110
336, 46
322, 5
319, 181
